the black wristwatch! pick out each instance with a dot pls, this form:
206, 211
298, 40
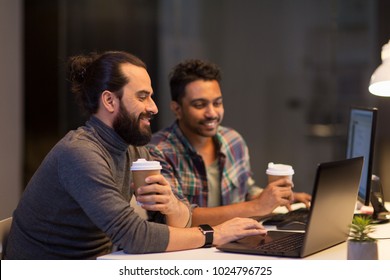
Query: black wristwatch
209, 235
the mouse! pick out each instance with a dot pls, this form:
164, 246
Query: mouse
291, 225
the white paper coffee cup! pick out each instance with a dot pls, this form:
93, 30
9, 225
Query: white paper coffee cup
276, 171
143, 168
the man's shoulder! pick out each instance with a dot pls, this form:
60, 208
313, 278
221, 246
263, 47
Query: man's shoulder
160, 136
166, 142
76, 139
81, 140
164, 136
229, 133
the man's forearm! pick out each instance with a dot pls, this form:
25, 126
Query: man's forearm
181, 217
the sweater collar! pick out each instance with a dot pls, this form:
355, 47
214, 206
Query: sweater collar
109, 138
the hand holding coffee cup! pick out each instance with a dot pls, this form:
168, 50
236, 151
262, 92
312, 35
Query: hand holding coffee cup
279, 171
141, 169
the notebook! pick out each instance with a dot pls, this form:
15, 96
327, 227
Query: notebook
333, 203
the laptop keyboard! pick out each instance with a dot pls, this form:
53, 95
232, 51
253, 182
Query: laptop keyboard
288, 243
299, 215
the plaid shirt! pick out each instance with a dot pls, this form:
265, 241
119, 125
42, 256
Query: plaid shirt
186, 172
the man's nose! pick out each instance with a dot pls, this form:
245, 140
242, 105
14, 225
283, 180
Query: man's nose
211, 111
152, 107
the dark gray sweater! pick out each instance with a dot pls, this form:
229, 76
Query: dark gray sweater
77, 203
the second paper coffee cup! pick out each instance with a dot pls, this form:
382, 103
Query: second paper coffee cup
143, 168
277, 171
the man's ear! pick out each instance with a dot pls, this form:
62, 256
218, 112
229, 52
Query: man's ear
176, 109
108, 100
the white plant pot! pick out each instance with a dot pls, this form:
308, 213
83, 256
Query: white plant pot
362, 250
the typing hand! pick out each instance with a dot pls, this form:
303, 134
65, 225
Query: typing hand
236, 228
302, 197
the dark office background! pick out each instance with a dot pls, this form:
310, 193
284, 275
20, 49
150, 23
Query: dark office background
291, 69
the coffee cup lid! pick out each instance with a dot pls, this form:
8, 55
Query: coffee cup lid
278, 169
143, 164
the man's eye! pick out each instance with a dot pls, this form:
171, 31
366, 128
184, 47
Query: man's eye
142, 97
218, 103
199, 105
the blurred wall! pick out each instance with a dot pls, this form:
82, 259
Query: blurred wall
11, 105
291, 69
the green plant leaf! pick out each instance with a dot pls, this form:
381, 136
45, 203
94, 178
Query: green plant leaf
360, 228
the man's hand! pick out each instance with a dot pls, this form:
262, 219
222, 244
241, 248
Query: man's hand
237, 228
302, 197
157, 195
277, 193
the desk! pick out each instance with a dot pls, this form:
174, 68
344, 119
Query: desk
338, 252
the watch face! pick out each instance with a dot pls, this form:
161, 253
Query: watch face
206, 228
208, 233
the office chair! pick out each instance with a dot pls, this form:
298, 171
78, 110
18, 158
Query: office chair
5, 226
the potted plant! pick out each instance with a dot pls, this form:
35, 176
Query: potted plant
360, 245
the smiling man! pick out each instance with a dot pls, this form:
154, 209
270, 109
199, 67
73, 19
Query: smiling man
209, 163
77, 204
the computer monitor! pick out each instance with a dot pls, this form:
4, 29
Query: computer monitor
361, 138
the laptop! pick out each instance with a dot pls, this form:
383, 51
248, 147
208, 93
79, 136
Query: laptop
332, 208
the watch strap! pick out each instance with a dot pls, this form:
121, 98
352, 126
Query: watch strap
208, 232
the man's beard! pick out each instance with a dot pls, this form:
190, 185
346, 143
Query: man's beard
128, 127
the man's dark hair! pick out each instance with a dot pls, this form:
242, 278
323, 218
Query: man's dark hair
189, 71
94, 73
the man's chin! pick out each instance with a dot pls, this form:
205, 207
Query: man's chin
209, 133
146, 131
